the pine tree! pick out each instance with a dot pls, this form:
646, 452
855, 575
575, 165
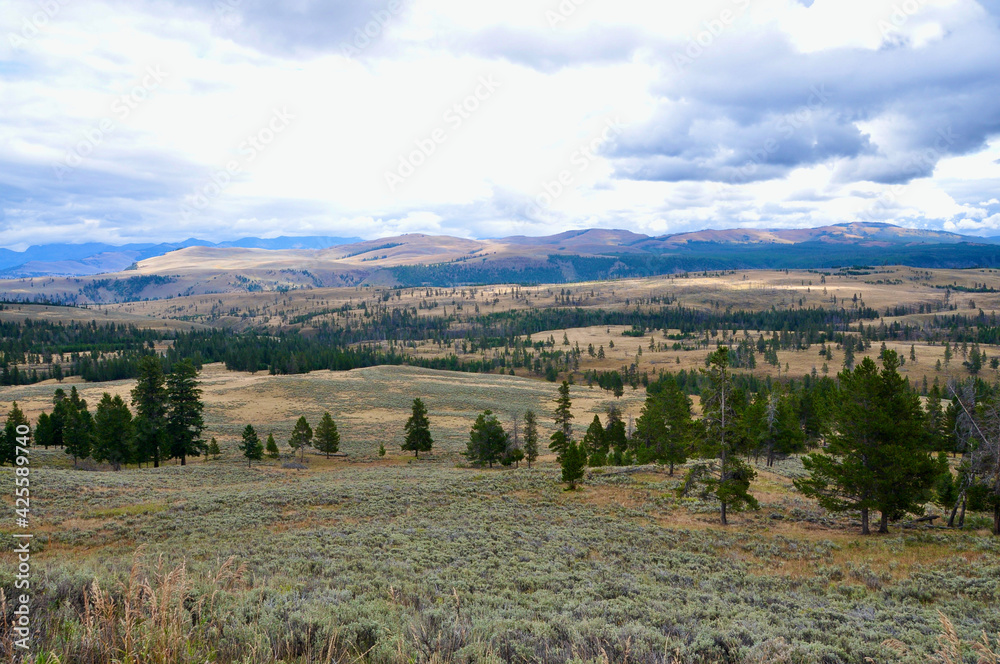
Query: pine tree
44, 431
272, 447
327, 437
561, 439
15, 419
530, 437
150, 400
615, 435
213, 449
381, 450
593, 443
78, 426
731, 481
251, 446
573, 462
184, 417
301, 437
879, 458
114, 436
418, 430
665, 425
487, 440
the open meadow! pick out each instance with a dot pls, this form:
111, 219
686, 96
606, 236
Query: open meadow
365, 558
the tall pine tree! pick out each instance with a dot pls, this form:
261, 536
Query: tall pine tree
418, 430
251, 446
184, 417
150, 400
114, 437
326, 436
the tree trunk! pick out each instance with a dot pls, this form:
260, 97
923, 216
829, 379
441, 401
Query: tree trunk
883, 526
996, 518
183, 459
961, 515
724, 521
156, 459
671, 468
865, 529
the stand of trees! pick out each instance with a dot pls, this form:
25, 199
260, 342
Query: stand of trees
168, 422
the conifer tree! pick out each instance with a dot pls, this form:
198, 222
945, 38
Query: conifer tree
15, 419
114, 436
184, 417
301, 437
272, 447
213, 449
251, 446
149, 398
561, 439
665, 425
44, 432
730, 482
573, 462
487, 440
327, 437
530, 437
879, 457
78, 426
418, 430
593, 443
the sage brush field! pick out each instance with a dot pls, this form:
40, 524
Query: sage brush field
405, 560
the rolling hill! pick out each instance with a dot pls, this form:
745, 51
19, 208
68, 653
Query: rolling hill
418, 259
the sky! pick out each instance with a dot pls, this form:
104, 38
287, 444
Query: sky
158, 120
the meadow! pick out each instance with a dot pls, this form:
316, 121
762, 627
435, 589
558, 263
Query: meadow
364, 558
398, 559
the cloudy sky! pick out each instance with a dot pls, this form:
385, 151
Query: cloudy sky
143, 120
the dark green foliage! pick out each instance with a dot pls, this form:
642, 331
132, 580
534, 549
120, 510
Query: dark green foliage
301, 437
44, 431
418, 430
593, 443
213, 448
573, 462
251, 446
878, 458
730, 482
272, 447
487, 440
664, 427
530, 437
77, 426
114, 435
559, 440
184, 416
149, 398
15, 419
327, 438
615, 435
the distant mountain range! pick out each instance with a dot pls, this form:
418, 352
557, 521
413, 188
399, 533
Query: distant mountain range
255, 265
95, 258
